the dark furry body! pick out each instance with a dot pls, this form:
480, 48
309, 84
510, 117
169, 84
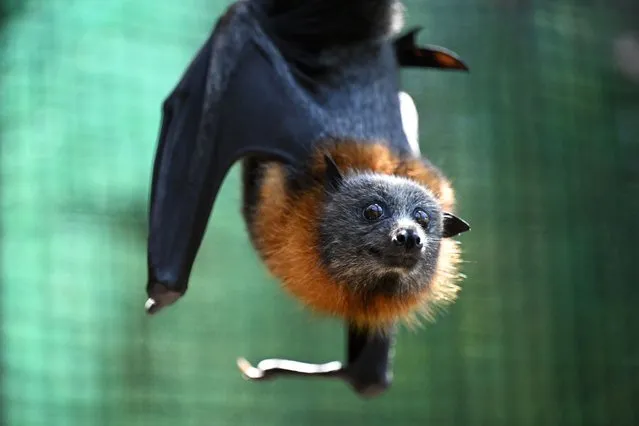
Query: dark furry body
274, 91
343, 66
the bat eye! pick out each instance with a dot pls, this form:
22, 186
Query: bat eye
373, 212
421, 217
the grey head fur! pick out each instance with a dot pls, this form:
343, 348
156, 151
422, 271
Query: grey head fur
372, 254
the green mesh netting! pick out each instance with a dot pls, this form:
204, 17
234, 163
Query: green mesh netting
542, 143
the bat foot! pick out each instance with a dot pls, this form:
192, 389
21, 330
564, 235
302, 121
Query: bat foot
370, 390
150, 306
271, 368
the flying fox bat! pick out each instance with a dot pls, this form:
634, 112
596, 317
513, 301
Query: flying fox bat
338, 201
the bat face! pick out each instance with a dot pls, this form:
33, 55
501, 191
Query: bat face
381, 233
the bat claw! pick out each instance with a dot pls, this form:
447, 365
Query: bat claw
248, 371
150, 306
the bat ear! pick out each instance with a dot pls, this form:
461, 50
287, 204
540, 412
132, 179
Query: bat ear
454, 226
333, 176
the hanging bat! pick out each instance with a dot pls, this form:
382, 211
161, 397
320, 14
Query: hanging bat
338, 202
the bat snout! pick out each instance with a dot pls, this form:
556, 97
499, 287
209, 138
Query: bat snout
407, 239
402, 250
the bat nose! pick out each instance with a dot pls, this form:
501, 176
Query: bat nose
408, 238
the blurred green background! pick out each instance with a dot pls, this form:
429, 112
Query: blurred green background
541, 140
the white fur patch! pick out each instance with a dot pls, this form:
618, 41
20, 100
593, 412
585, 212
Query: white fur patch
410, 121
397, 21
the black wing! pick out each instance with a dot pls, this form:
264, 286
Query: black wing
196, 149
409, 54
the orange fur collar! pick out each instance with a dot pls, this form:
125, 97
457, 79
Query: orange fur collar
286, 234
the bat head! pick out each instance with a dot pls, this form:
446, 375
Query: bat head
382, 233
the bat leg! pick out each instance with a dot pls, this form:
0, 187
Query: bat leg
368, 371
